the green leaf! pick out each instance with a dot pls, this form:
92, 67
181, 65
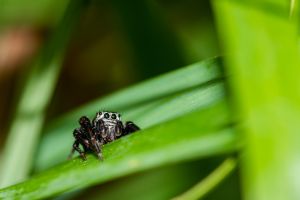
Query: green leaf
195, 135
264, 62
151, 102
185, 117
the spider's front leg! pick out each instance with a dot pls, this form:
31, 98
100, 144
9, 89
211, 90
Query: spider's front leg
76, 148
96, 143
98, 150
130, 127
79, 139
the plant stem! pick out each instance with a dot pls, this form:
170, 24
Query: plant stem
210, 182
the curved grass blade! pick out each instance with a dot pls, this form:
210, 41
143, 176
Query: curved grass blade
201, 189
188, 89
161, 86
200, 134
145, 116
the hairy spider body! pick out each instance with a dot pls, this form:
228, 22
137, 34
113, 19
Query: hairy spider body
105, 128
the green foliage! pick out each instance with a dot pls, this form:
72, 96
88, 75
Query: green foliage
193, 87
35, 97
33, 12
184, 114
264, 59
170, 138
200, 134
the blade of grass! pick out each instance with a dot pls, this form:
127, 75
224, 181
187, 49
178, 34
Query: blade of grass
154, 101
202, 188
264, 63
36, 94
146, 116
152, 89
200, 134
293, 8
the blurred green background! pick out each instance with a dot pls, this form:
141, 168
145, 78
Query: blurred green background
62, 59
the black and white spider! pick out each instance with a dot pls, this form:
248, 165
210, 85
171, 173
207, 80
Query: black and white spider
105, 127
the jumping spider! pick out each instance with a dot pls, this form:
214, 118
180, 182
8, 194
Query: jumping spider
105, 128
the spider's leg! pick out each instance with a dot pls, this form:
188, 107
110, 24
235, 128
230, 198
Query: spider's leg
101, 131
86, 126
119, 131
97, 140
76, 148
99, 150
81, 138
130, 127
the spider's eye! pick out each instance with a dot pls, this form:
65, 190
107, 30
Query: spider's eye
106, 115
119, 115
113, 116
100, 113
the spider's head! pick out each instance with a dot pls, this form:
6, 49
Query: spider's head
108, 116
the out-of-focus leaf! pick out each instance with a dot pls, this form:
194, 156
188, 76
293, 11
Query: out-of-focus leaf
141, 185
34, 99
31, 12
261, 41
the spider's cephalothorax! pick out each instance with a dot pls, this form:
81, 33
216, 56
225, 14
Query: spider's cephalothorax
105, 127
